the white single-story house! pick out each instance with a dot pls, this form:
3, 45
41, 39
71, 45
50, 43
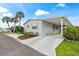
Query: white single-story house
46, 26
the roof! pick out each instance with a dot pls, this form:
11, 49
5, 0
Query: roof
53, 19
33, 20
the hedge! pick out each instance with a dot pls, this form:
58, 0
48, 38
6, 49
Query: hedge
19, 29
71, 33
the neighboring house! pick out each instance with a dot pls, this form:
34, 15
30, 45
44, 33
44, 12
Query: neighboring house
6, 30
46, 26
1, 30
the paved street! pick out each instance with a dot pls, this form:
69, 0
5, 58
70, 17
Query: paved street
10, 47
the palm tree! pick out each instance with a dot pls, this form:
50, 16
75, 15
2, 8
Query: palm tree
14, 20
19, 16
7, 20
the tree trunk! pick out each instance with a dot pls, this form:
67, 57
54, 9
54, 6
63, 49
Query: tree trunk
8, 26
14, 27
20, 23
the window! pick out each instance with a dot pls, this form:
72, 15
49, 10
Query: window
34, 26
55, 26
27, 26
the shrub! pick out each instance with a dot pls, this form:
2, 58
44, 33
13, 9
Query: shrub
27, 35
19, 29
71, 33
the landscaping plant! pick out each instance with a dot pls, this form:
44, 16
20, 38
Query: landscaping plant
27, 35
71, 33
19, 29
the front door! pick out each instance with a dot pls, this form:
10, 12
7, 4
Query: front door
56, 29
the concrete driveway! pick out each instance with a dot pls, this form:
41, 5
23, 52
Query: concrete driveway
44, 44
11, 47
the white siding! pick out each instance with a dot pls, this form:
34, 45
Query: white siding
30, 23
44, 28
47, 28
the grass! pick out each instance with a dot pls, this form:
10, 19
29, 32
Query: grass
68, 48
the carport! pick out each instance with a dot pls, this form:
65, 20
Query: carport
60, 22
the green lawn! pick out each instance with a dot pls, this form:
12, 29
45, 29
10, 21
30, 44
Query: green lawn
68, 48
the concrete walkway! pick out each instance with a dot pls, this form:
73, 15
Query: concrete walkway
11, 47
43, 44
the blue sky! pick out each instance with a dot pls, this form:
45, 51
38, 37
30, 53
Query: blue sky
41, 10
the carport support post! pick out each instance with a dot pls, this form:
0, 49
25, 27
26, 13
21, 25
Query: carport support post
61, 28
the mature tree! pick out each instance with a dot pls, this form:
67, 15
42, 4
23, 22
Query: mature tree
7, 20
14, 20
19, 16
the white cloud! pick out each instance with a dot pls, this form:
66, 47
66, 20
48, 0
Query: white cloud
7, 14
3, 10
61, 5
41, 12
